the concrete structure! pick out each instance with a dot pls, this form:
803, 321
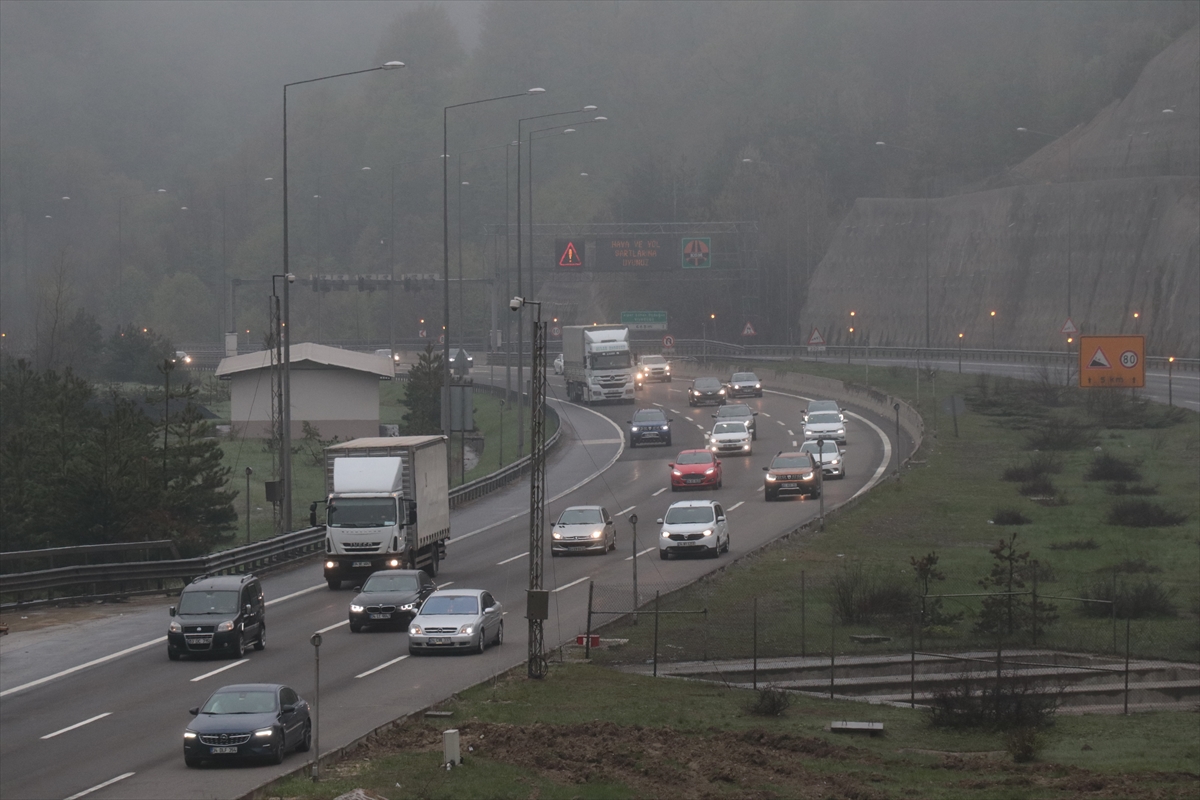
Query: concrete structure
335, 390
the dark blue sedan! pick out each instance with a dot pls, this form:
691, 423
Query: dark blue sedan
255, 721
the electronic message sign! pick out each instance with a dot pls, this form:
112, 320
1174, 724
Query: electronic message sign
648, 253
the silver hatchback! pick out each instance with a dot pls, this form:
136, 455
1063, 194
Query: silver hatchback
456, 619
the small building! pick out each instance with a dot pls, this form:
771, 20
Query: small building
335, 390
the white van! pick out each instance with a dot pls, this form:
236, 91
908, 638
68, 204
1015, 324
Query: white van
694, 526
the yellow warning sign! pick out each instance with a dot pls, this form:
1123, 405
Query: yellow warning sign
1112, 362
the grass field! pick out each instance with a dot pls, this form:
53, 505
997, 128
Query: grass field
588, 731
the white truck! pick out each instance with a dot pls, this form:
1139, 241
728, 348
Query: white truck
597, 363
386, 506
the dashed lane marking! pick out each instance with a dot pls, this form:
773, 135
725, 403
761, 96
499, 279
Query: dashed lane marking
222, 669
77, 725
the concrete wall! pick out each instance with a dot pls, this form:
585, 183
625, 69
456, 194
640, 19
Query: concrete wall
339, 402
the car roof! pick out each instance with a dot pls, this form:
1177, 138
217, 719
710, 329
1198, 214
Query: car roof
250, 687
657, 411
207, 583
696, 450
741, 422
691, 503
823, 404
447, 592
588, 508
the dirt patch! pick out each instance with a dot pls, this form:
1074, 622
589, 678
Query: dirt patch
38, 617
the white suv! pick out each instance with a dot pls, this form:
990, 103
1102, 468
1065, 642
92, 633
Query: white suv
694, 526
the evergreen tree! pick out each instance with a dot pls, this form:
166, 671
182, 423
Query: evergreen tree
423, 394
198, 498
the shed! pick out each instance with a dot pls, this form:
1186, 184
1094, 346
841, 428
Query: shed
335, 390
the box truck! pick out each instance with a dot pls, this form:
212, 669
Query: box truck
597, 363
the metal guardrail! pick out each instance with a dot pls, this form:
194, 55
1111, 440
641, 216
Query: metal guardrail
85, 550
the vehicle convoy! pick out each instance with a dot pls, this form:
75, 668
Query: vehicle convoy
387, 506
597, 363
653, 368
388, 597
248, 721
218, 614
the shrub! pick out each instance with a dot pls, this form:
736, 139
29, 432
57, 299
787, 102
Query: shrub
1010, 516
1038, 487
977, 701
1143, 514
1140, 600
1061, 434
1107, 467
1076, 544
1039, 464
860, 596
770, 701
1133, 566
1132, 489
1023, 744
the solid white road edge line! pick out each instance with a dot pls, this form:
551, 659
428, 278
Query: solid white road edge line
91, 663
99, 786
564, 492
510, 560
339, 624
647, 550
572, 583
77, 725
222, 669
381, 666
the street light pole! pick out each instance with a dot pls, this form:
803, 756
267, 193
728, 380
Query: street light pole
287, 337
993, 330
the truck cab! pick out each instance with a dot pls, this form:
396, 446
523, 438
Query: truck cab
598, 363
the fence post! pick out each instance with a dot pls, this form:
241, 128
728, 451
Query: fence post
803, 648
921, 627
912, 669
587, 637
656, 634
1034, 603
832, 647
1126, 666
999, 674
754, 649
1113, 606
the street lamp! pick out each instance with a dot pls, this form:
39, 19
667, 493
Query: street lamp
1170, 367
927, 225
537, 597
287, 336
446, 244
993, 315
1070, 196
704, 333
960, 341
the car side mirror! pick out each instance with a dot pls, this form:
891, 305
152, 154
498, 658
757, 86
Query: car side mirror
246, 609
358, 588
766, 469
194, 711
312, 515
172, 611
659, 521
714, 416
670, 465
287, 708
721, 518
628, 422
489, 609
755, 414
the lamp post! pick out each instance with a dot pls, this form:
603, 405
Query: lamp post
249, 472
1170, 367
537, 597
927, 224
960, 341
286, 466
993, 315
1070, 196
165, 368
446, 245
704, 333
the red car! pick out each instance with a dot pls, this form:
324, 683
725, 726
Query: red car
695, 469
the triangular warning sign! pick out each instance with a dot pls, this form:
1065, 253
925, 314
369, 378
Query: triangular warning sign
816, 338
748, 330
570, 257
1068, 327
1099, 361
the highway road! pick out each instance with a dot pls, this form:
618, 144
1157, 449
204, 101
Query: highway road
96, 710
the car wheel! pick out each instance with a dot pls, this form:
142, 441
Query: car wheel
281, 750
261, 641
500, 634
172, 654
355, 627
662, 554
334, 584
726, 550
769, 496
632, 443
435, 562
674, 488
414, 651
194, 763
668, 441
715, 552
668, 379
239, 649
754, 435
554, 553
482, 641
814, 495
305, 740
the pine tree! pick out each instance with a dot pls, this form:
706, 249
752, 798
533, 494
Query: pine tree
423, 394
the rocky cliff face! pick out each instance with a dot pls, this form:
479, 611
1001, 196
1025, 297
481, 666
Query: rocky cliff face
1104, 222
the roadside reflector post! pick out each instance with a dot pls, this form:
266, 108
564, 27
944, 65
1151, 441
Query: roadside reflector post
451, 749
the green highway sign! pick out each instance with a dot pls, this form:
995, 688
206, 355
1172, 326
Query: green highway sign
644, 320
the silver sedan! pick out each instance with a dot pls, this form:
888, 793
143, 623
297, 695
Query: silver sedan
456, 620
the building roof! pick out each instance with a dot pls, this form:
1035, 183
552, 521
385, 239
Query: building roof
319, 354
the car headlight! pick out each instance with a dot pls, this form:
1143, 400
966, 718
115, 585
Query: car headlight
355, 609
415, 630
710, 471
758, 386
393, 562
746, 446
666, 534
834, 461
633, 429
639, 375
175, 627
666, 427
841, 431
721, 392
707, 532
265, 733
597, 534
771, 478
189, 735
557, 534
330, 565
408, 606
806, 476
666, 369
713, 448
227, 625
676, 473
467, 629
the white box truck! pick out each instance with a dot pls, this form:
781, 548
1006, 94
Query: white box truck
597, 363
387, 506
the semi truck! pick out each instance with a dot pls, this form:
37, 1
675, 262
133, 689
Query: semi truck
597, 363
387, 506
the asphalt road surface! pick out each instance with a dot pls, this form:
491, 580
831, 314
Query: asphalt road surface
97, 710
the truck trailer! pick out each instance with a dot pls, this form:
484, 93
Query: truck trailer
387, 506
597, 363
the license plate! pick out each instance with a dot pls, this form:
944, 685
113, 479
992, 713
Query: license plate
199, 640
787, 486
692, 480
687, 544
216, 751
380, 616
358, 564
439, 641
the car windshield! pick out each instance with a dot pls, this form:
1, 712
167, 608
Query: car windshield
655, 361
791, 462
824, 418
391, 583
745, 377
251, 702
362, 512
457, 604
580, 516
684, 515
201, 602
738, 410
649, 415
695, 457
729, 427
822, 405
610, 361
707, 384
830, 448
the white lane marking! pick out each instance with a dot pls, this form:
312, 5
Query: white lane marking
338, 625
509, 560
660, 491
601, 441
222, 669
761, 488
676, 411
794, 444
791, 433
660, 405
765, 414
381, 666
99, 786
566, 491
451, 583
701, 427
735, 505
781, 422
92, 663
626, 511
295, 594
572, 583
647, 550
77, 725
